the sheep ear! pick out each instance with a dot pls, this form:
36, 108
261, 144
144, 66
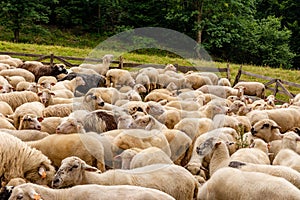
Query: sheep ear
217, 144
1, 87
274, 127
53, 94
42, 172
88, 97
89, 168
34, 195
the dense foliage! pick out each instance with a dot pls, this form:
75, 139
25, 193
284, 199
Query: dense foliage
261, 32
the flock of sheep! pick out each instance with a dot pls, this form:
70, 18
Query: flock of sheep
104, 133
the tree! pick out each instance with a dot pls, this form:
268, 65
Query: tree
16, 15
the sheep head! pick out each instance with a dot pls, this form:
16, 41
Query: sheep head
25, 192
70, 172
266, 129
30, 122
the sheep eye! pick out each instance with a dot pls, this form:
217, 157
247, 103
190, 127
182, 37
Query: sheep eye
94, 97
20, 196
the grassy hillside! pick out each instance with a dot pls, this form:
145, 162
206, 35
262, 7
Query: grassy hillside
288, 75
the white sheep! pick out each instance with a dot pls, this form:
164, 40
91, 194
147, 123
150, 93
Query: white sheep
220, 91
64, 93
49, 124
6, 123
47, 97
179, 144
60, 146
224, 82
168, 67
59, 110
144, 80
147, 122
91, 192
28, 86
152, 73
5, 108
30, 108
266, 129
14, 80
229, 183
26, 135
286, 118
197, 80
288, 141
257, 154
182, 185
252, 88
69, 85
289, 158
118, 77
23, 161
47, 81
142, 139
199, 158
149, 156
18, 72
15, 99
101, 68
287, 173
81, 70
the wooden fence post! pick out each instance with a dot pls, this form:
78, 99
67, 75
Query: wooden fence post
238, 76
228, 72
121, 60
51, 59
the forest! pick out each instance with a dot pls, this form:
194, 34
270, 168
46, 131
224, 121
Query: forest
258, 32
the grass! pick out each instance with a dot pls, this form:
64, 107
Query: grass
162, 58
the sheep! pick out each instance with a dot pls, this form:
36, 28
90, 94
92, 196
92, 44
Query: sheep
135, 158
213, 77
24, 85
64, 93
182, 184
257, 155
156, 96
100, 68
220, 91
59, 110
198, 80
30, 108
118, 77
147, 122
81, 70
15, 99
97, 121
46, 98
26, 135
194, 127
6, 123
179, 144
168, 67
287, 173
5, 108
286, 118
5, 86
19, 72
91, 192
69, 85
288, 141
142, 139
152, 73
4, 66
230, 183
4, 56
252, 88
91, 81
289, 158
30, 121
40, 71
199, 159
164, 80
144, 80
47, 81
136, 106
184, 105
23, 161
10, 62
49, 124
59, 146
14, 80
224, 82
267, 130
